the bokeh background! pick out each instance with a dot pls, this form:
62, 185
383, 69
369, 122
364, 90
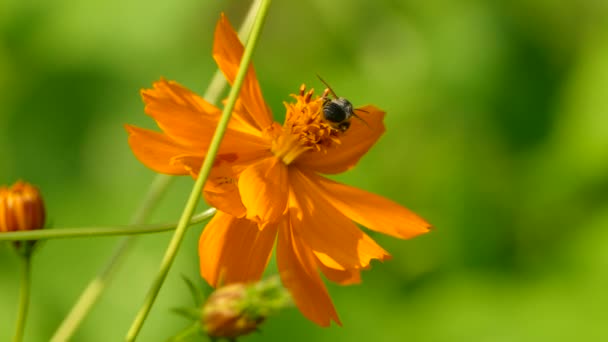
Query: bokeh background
497, 134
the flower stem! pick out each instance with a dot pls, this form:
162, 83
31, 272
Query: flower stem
178, 235
134, 229
189, 332
96, 286
24, 293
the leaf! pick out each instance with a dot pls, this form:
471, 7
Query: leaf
188, 312
197, 293
186, 333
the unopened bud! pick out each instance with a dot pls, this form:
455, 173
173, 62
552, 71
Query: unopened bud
21, 208
238, 309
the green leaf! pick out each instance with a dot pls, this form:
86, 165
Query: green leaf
188, 332
197, 293
190, 313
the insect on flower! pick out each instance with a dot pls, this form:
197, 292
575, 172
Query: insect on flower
338, 111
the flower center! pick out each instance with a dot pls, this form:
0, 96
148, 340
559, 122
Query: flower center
305, 129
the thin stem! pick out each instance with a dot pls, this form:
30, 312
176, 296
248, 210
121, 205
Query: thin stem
97, 285
178, 235
24, 294
94, 289
155, 193
65, 233
192, 330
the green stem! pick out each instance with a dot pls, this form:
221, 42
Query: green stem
95, 288
24, 295
178, 235
155, 193
187, 333
65, 233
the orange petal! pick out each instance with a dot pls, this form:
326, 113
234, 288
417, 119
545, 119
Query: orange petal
190, 163
191, 121
263, 190
237, 161
227, 52
156, 150
299, 274
372, 211
224, 197
234, 250
336, 241
241, 120
243, 143
181, 114
356, 141
342, 277
221, 191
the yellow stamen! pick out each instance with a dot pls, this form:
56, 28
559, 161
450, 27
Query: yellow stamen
305, 128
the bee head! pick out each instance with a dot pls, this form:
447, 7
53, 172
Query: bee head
337, 110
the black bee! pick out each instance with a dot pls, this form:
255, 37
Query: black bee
337, 111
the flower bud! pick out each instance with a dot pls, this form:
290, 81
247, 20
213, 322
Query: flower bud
238, 309
223, 315
21, 208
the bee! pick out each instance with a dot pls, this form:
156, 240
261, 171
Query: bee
337, 111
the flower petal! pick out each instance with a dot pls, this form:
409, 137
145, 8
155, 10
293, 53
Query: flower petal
190, 120
221, 191
372, 211
181, 114
299, 274
234, 250
263, 190
336, 241
342, 277
227, 52
156, 150
237, 161
356, 141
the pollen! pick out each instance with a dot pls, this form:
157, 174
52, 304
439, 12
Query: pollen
305, 128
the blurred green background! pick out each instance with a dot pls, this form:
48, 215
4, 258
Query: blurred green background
497, 134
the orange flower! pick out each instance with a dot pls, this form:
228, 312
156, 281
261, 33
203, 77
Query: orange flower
266, 187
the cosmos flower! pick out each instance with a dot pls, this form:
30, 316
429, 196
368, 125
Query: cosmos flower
267, 187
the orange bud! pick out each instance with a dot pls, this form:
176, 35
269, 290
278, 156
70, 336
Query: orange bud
21, 208
239, 309
224, 314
